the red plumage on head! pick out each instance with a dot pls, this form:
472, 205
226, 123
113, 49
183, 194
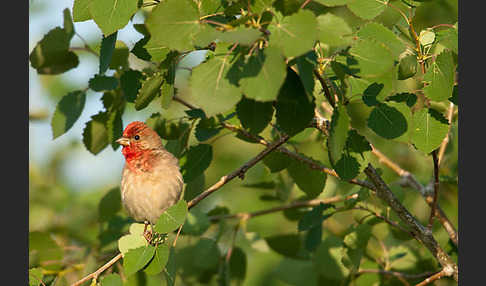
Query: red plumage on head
134, 128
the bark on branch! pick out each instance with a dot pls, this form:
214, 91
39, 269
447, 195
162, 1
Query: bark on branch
421, 233
240, 172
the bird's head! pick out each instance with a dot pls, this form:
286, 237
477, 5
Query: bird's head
138, 137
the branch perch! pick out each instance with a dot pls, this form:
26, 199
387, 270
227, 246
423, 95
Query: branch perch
410, 180
420, 233
240, 172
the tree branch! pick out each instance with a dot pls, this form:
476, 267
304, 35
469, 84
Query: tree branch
436, 189
95, 274
240, 172
395, 273
410, 180
444, 143
299, 157
420, 233
294, 205
327, 93
432, 278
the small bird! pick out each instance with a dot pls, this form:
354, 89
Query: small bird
151, 180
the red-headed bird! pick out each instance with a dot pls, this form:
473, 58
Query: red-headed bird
151, 180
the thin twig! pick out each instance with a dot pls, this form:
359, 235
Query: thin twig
410, 180
84, 49
422, 234
327, 93
240, 172
436, 189
304, 4
444, 143
312, 164
395, 273
432, 278
177, 235
95, 274
294, 205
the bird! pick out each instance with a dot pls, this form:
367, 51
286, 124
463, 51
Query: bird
151, 180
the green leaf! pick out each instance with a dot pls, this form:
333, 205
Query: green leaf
170, 269
449, 39
68, 23
357, 143
440, 77
355, 243
35, 276
95, 135
51, 55
285, 244
197, 160
313, 238
44, 250
426, 37
295, 34
240, 35
294, 107
173, 24
371, 93
81, 10
306, 65
131, 241
338, 133
366, 9
313, 217
387, 121
407, 67
195, 187
332, 3
112, 279
207, 128
409, 98
109, 204
210, 87
205, 253
276, 161
150, 88
263, 75
310, 181
131, 82
106, 51
119, 60
112, 15
381, 34
254, 115
103, 82
237, 264
327, 259
406, 111
287, 7
429, 127
333, 30
67, 112
172, 218
170, 130
374, 58
158, 262
197, 223
347, 167
136, 259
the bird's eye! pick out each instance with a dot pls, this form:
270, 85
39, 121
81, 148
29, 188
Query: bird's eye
136, 137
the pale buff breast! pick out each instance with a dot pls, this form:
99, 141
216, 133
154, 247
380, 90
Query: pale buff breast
146, 195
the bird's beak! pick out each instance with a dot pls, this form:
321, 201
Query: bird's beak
123, 141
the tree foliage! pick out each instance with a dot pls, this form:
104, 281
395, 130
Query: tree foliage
339, 77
